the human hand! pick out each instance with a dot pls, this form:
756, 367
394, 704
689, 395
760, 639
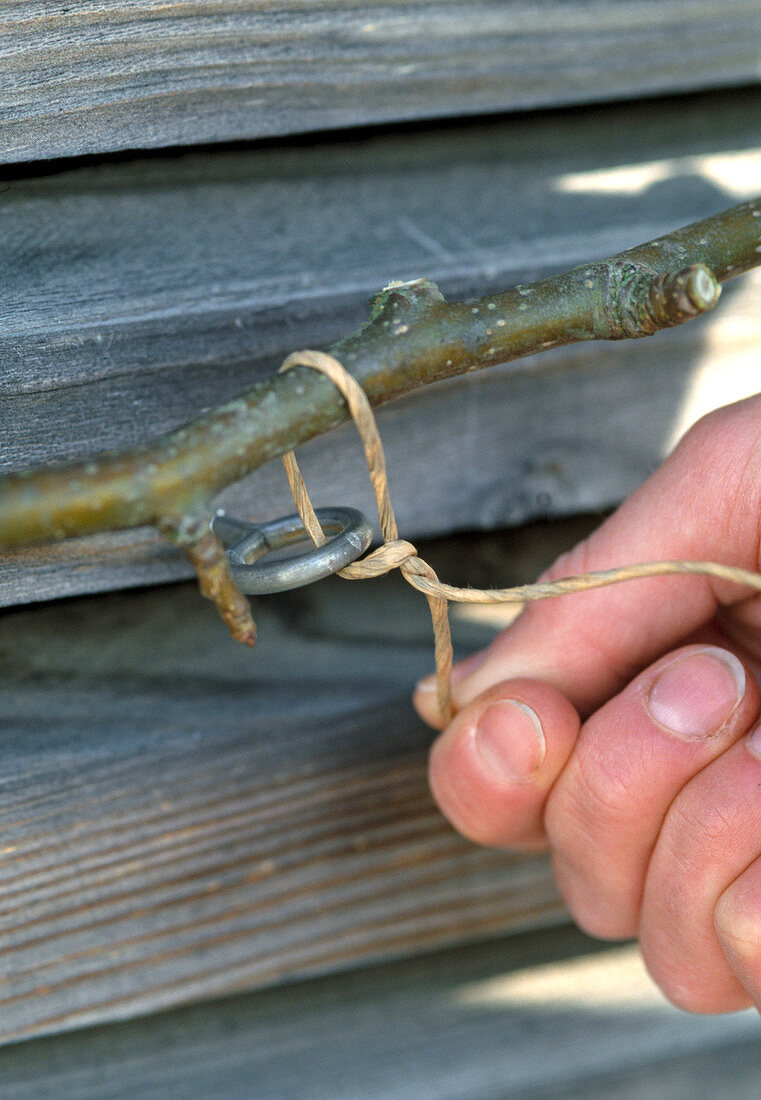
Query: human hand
619, 727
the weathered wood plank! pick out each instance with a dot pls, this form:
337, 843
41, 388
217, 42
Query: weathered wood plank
524, 1018
87, 78
136, 294
182, 818
187, 275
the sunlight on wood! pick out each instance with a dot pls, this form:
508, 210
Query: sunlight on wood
737, 174
613, 978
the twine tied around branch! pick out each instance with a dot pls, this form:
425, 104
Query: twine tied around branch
396, 553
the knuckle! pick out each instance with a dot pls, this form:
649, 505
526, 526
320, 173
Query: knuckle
694, 988
602, 922
594, 911
597, 796
687, 986
680, 991
592, 824
738, 927
695, 829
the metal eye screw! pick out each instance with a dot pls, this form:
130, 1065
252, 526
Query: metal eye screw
349, 531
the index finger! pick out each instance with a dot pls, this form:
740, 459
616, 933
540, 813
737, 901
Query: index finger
701, 504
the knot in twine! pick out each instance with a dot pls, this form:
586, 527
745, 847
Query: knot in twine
396, 553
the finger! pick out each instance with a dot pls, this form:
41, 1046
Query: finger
703, 503
491, 771
737, 920
633, 757
711, 835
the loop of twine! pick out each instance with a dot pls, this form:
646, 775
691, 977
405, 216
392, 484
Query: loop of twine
396, 553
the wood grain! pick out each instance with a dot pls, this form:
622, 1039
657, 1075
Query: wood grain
528, 1017
88, 78
181, 818
136, 294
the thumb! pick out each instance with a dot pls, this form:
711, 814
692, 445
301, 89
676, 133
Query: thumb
701, 504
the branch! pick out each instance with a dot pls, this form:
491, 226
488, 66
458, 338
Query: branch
412, 337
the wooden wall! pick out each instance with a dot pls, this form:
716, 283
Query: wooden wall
526, 1017
189, 191
182, 818
139, 292
84, 78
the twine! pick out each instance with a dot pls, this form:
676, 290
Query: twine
396, 553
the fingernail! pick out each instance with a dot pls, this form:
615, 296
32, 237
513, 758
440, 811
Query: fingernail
695, 695
459, 671
510, 741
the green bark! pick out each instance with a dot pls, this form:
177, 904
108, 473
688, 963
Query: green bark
413, 337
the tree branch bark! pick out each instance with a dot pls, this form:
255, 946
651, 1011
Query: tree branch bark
412, 337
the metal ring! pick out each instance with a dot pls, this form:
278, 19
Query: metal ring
246, 543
